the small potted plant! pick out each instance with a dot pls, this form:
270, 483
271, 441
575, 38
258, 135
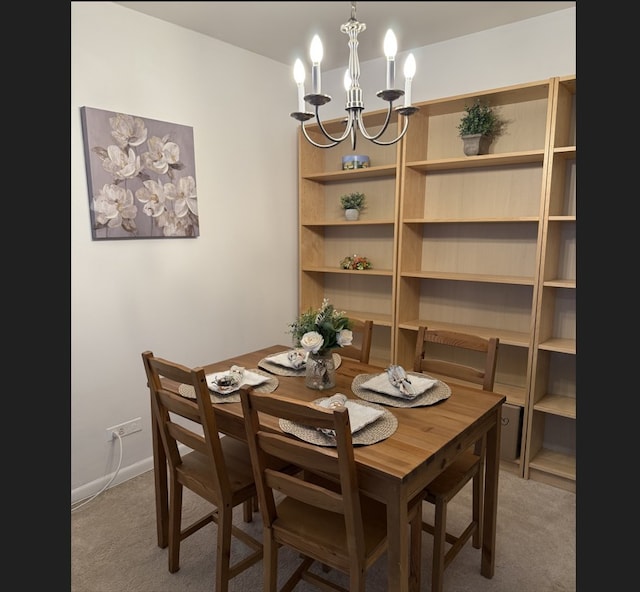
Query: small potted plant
352, 203
478, 127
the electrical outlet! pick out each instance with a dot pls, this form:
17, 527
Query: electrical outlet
126, 428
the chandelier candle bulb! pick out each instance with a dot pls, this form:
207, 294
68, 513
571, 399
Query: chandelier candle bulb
409, 73
316, 53
390, 49
299, 76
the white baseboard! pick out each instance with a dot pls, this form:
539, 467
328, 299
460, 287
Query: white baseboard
125, 473
86, 491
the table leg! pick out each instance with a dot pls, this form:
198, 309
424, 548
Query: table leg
160, 480
490, 512
398, 549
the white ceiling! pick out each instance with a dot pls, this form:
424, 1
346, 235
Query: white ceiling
282, 31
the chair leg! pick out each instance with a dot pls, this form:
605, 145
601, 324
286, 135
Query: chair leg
175, 522
247, 510
439, 539
223, 548
270, 563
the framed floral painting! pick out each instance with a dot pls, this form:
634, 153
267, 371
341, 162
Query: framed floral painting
141, 176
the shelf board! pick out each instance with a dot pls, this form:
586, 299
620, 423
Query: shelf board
383, 320
557, 344
469, 277
558, 283
516, 395
387, 170
566, 151
512, 338
483, 160
555, 463
380, 222
383, 272
528, 219
562, 218
557, 405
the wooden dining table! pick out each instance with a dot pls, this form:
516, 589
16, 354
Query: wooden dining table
394, 470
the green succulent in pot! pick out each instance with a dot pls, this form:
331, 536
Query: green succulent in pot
352, 201
480, 119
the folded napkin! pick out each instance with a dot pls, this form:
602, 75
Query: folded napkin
398, 378
294, 359
359, 415
231, 380
382, 384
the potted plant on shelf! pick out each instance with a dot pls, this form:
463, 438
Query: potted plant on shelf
352, 203
478, 127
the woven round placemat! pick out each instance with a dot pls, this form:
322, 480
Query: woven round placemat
380, 429
437, 392
270, 385
265, 364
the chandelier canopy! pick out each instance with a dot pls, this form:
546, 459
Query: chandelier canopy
354, 103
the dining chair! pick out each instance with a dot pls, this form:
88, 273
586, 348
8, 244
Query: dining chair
320, 512
361, 347
470, 359
217, 468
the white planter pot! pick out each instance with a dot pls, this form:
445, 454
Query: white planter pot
352, 214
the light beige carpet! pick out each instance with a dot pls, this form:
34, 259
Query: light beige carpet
113, 545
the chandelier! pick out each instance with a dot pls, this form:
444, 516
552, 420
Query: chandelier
354, 103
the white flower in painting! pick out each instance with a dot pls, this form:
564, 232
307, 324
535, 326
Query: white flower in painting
120, 164
114, 207
153, 197
162, 154
183, 196
128, 130
172, 225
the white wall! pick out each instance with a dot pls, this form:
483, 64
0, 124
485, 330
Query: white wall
526, 51
234, 288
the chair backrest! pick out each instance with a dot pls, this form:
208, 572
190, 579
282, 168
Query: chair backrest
361, 348
168, 407
336, 464
477, 368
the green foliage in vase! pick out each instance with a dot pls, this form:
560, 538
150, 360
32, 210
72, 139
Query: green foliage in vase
479, 119
352, 201
323, 329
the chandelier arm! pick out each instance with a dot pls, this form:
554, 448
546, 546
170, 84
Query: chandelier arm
404, 131
306, 135
350, 123
383, 129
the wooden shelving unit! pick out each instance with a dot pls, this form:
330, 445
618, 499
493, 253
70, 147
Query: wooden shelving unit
484, 244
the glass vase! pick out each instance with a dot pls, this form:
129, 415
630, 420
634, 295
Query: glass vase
320, 371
